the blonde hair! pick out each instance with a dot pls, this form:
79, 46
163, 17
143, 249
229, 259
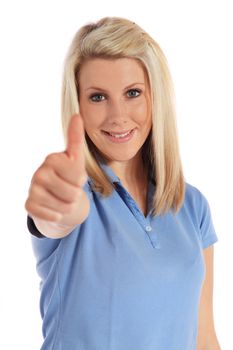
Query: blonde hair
112, 38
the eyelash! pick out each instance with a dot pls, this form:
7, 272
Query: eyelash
94, 95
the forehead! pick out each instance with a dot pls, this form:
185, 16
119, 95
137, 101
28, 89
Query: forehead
122, 71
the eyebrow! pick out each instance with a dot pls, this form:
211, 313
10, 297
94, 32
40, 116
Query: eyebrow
99, 88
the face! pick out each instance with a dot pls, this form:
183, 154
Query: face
115, 106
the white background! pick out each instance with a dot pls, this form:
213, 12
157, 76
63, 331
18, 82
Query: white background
196, 37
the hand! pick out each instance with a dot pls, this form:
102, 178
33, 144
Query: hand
56, 193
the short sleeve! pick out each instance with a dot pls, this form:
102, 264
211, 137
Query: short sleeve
207, 230
32, 228
45, 247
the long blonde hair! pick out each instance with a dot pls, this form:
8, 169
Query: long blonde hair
114, 37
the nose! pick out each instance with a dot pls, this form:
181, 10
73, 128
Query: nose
117, 112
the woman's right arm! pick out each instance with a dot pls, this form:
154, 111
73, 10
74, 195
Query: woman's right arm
56, 201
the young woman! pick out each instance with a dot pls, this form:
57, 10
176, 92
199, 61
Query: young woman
123, 244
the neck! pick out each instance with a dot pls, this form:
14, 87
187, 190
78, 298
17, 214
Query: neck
131, 171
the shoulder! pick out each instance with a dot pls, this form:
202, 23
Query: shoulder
194, 197
196, 205
192, 191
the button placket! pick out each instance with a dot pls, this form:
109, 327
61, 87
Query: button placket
142, 220
151, 234
148, 228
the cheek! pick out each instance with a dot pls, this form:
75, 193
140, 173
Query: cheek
142, 113
92, 117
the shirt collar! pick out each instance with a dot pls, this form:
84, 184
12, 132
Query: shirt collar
115, 179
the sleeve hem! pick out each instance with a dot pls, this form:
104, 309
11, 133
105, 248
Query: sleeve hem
209, 241
33, 229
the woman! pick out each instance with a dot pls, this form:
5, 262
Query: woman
123, 244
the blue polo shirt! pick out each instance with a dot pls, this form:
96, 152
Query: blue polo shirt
123, 281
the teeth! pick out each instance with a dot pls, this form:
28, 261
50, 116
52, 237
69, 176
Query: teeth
120, 135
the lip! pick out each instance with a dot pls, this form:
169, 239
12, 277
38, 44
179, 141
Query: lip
128, 137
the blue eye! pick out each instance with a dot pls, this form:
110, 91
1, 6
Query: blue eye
133, 93
97, 97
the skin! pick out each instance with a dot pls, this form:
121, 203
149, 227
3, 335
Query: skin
207, 338
56, 190
115, 107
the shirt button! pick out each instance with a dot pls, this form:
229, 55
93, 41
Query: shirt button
148, 228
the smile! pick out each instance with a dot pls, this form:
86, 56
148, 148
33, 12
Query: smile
119, 137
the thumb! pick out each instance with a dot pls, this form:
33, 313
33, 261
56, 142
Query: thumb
75, 137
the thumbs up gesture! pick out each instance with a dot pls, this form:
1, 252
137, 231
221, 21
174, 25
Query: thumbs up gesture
56, 199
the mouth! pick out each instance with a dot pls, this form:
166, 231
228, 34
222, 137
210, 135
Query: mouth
121, 136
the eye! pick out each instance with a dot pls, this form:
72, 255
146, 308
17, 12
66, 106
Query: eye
133, 93
97, 97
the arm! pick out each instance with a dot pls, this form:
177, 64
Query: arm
207, 339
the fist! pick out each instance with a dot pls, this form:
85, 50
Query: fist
56, 193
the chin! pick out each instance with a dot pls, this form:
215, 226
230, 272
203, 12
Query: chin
120, 157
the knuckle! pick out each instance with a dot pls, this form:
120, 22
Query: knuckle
30, 207
33, 190
50, 158
41, 175
38, 175
27, 204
